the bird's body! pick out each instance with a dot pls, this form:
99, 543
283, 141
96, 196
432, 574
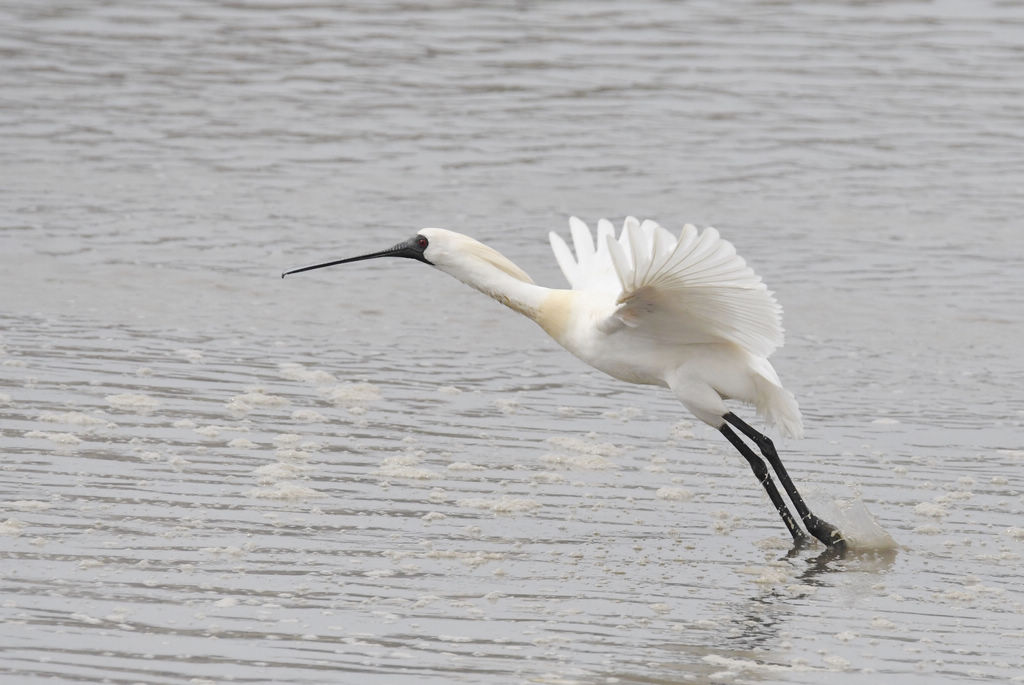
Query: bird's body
672, 313
685, 313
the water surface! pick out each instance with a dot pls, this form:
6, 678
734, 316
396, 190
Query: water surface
373, 474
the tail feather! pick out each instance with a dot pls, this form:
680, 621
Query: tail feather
774, 403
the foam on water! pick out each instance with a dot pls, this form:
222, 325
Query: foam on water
62, 439
674, 493
583, 453
291, 492
287, 439
308, 416
253, 399
133, 402
464, 466
505, 504
931, 509
297, 372
11, 527
352, 396
26, 505
405, 466
76, 418
578, 462
210, 431
280, 471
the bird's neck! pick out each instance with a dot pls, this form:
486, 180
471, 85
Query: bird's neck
503, 282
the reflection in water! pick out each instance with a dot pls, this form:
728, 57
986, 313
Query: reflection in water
755, 638
764, 614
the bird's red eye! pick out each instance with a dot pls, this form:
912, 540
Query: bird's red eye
422, 242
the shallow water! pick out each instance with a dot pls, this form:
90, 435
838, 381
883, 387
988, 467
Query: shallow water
376, 475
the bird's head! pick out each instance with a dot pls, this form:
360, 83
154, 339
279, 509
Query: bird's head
454, 253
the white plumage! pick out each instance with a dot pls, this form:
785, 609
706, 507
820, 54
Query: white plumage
693, 289
689, 306
686, 313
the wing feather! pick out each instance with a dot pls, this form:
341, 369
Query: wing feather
583, 242
702, 291
690, 289
564, 258
591, 268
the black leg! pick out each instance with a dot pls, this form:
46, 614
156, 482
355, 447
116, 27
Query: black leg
824, 531
761, 472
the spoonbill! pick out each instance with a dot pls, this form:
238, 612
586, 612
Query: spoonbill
684, 313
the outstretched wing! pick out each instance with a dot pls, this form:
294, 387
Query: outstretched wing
693, 289
592, 268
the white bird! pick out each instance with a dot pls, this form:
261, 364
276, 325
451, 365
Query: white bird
684, 313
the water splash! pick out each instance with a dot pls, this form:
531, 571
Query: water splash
862, 532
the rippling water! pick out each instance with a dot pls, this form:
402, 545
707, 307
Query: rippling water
376, 475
